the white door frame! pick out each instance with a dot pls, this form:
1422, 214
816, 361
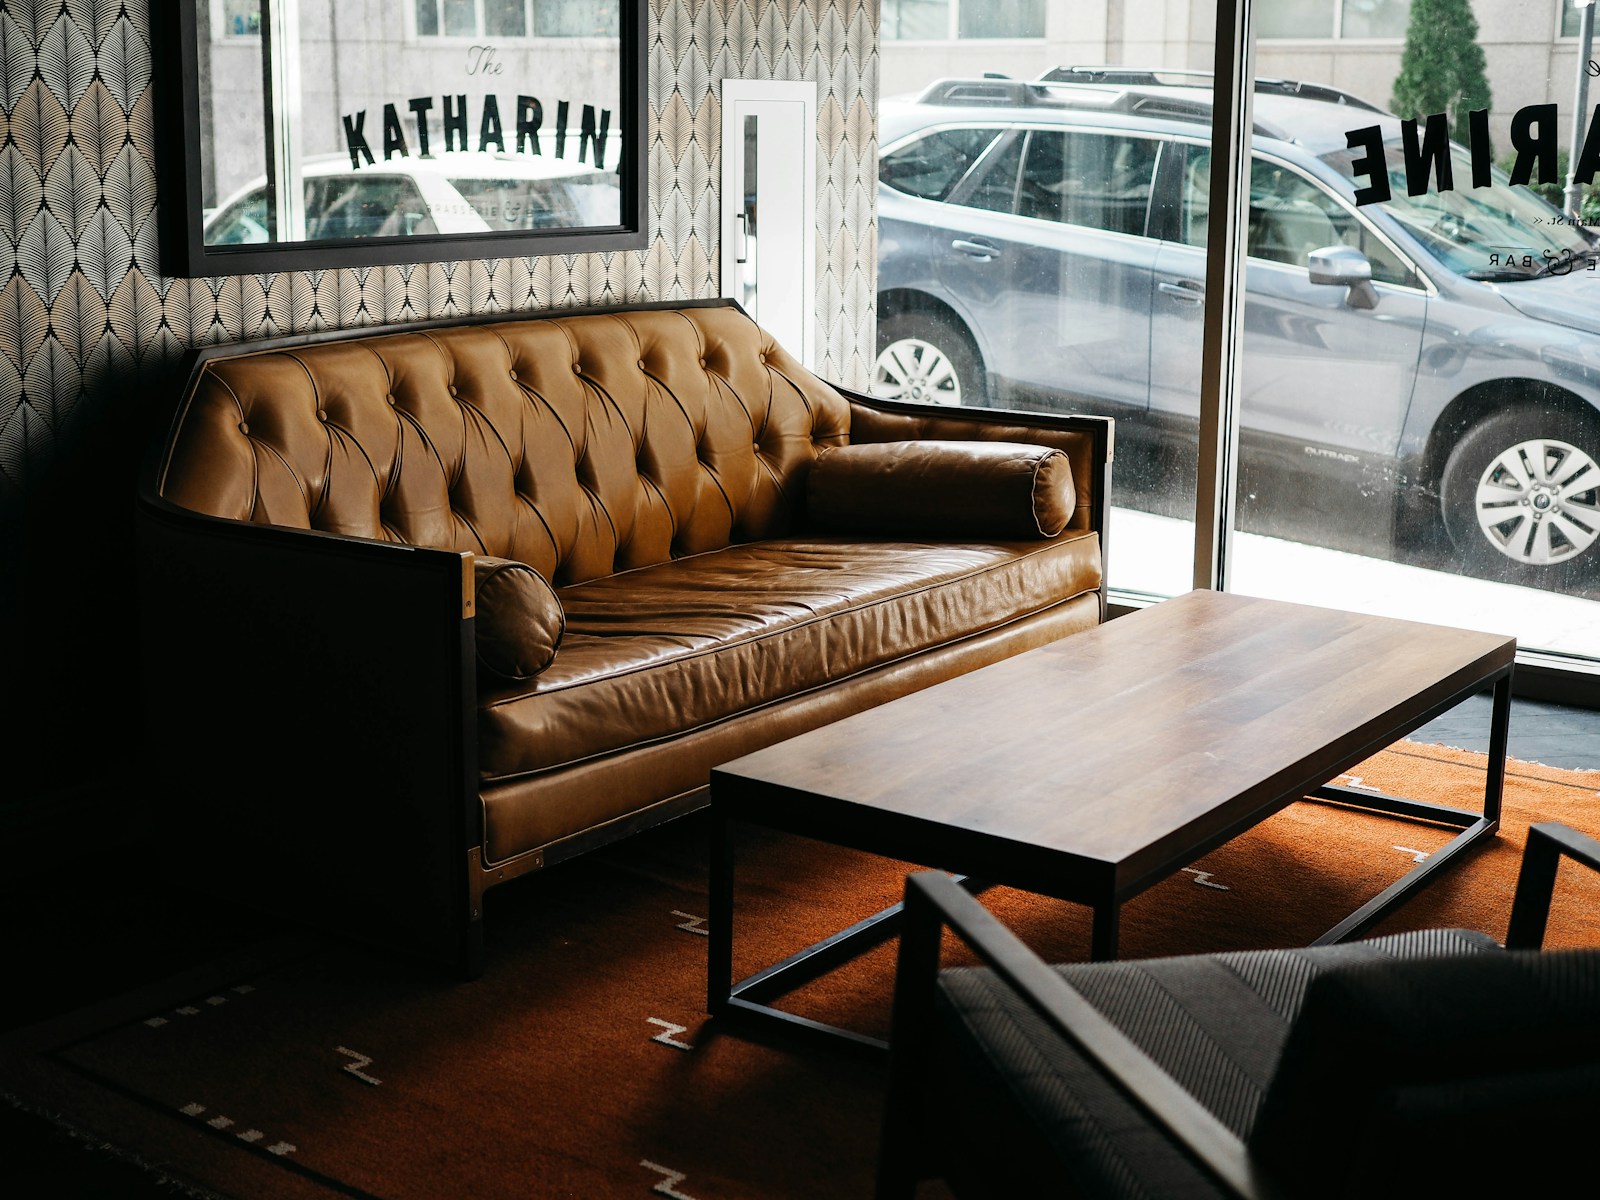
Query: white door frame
786, 206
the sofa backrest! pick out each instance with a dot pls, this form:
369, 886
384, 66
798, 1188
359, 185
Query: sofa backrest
581, 445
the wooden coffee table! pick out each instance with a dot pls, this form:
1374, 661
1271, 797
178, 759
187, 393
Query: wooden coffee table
1093, 768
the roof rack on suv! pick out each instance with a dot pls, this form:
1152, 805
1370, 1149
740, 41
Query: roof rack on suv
1152, 93
1163, 77
1015, 93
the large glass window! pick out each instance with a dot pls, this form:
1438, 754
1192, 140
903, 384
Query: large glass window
1423, 445
516, 18
1001, 19
1418, 400
1333, 18
1021, 228
938, 20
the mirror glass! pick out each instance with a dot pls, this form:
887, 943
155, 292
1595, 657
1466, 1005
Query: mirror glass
409, 124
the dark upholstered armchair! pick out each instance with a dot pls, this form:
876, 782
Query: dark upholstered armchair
1430, 1063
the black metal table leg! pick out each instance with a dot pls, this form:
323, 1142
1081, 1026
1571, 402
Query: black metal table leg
719, 948
1473, 826
746, 1002
1499, 728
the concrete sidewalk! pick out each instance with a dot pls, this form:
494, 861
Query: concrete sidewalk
1154, 554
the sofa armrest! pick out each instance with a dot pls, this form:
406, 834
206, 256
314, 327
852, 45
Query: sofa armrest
1548, 843
942, 489
309, 703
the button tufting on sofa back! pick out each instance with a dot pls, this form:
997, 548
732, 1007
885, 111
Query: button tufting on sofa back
581, 445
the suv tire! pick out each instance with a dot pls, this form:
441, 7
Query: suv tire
1509, 502
925, 357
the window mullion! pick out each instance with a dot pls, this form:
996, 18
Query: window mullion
280, 38
1217, 472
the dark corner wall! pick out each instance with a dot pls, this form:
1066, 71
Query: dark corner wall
91, 332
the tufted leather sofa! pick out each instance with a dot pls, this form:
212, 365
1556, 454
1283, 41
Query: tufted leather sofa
327, 742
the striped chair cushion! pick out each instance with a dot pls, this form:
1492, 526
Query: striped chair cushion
1216, 1023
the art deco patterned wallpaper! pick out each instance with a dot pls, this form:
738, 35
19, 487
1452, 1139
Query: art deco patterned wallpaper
87, 321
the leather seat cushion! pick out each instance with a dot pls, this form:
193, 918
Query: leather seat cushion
673, 647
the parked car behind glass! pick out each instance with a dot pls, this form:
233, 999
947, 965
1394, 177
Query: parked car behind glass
1042, 244
454, 192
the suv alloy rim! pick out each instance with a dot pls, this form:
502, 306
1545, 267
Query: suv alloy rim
916, 370
1538, 501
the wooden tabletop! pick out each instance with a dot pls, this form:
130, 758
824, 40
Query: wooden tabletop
1115, 752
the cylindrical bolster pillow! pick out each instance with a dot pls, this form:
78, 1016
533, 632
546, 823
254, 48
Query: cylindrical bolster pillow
519, 620
942, 489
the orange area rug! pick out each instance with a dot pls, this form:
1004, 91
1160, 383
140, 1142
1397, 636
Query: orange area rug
582, 1064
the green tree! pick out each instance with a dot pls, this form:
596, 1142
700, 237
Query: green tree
1442, 69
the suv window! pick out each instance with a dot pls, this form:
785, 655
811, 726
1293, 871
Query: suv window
995, 188
930, 167
1101, 181
1290, 216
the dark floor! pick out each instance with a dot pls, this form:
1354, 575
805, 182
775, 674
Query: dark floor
1551, 734
121, 925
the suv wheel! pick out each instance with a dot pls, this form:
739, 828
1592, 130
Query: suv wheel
926, 358
1521, 494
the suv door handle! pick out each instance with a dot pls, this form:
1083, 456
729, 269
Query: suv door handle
1190, 291
982, 251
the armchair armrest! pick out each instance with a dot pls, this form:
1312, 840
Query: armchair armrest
934, 902
1548, 842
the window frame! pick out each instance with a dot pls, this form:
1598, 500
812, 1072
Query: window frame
1563, 8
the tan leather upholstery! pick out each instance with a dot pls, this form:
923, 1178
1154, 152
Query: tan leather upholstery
546, 809
871, 425
651, 465
579, 445
519, 621
664, 650
941, 489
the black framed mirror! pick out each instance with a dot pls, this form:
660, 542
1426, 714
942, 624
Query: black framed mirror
310, 134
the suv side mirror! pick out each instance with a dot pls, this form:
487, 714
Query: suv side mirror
1347, 267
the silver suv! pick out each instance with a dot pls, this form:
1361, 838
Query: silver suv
1428, 368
